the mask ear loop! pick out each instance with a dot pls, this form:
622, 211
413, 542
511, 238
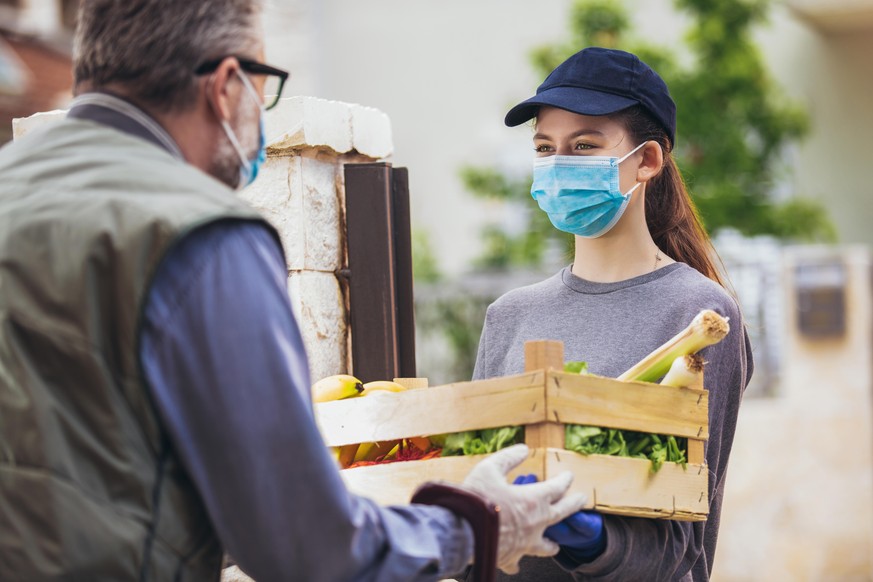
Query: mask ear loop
623, 158
631, 191
630, 153
231, 135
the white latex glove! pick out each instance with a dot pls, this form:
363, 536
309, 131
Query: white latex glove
525, 510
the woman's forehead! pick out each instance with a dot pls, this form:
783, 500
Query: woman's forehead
552, 120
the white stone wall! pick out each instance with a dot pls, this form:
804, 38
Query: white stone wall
302, 193
21, 126
798, 502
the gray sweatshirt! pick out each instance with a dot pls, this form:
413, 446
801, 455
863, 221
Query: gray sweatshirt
612, 326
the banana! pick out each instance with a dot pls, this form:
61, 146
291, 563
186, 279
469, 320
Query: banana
336, 388
372, 451
363, 451
348, 454
383, 386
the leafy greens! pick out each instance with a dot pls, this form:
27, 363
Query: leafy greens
592, 440
480, 442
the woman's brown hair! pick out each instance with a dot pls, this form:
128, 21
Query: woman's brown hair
671, 215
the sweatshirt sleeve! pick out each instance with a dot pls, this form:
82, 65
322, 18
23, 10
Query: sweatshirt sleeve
666, 550
228, 372
484, 357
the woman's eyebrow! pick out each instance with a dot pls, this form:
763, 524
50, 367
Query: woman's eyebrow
581, 132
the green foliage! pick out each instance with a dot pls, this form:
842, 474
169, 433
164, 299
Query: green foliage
502, 250
458, 318
800, 219
424, 263
734, 124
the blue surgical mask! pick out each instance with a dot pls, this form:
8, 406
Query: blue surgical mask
581, 193
248, 170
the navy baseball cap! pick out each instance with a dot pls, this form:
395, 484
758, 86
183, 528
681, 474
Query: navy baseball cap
599, 81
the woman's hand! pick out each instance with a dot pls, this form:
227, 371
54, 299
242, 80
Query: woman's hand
581, 535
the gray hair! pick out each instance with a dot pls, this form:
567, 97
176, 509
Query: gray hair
151, 48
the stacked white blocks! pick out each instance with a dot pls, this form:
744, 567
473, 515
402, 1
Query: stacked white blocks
301, 192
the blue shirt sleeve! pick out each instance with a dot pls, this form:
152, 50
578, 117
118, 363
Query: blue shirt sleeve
225, 362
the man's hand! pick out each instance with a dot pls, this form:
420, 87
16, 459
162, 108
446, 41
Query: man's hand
525, 512
580, 535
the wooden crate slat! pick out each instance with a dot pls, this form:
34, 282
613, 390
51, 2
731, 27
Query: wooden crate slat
624, 486
696, 452
510, 400
627, 486
394, 483
543, 355
542, 399
544, 435
597, 401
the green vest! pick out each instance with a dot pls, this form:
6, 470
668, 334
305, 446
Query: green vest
90, 486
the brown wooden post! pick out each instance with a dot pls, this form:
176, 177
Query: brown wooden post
543, 355
403, 274
380, 272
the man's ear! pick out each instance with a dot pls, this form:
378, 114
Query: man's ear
652, 162
221, 92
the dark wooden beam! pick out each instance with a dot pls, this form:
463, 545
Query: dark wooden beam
380, 271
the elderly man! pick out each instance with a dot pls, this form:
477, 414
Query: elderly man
154, 392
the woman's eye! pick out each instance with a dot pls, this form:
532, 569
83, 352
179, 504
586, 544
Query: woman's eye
584, 146
542, 148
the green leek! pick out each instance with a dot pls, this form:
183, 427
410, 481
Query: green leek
706, 329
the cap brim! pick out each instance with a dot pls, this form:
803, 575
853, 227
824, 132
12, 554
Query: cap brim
574, 99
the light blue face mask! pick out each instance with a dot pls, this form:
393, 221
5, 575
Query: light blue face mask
581, 193
248, 171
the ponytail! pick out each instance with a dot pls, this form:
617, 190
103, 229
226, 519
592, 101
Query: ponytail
671, 215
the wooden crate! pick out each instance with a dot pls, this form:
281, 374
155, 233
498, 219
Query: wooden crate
543, 399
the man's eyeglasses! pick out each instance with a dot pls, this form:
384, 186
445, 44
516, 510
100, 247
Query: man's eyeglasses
275, 77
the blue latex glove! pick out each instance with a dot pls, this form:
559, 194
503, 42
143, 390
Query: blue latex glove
581, 536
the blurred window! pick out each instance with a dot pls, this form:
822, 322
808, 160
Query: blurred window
13, 77
754, 268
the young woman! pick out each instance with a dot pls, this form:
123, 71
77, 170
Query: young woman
604, 171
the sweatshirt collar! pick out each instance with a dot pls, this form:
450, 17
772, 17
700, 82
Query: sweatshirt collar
593, 288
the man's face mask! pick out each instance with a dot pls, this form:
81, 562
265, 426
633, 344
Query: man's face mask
248, 170
581, 193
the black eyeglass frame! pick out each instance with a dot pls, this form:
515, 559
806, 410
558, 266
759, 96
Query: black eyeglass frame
249, 66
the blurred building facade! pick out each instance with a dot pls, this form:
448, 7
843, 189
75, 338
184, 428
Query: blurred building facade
35, 58
799, 492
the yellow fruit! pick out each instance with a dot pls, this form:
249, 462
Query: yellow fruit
393, 452
363, 451
381, 386
372, 451
336, 388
